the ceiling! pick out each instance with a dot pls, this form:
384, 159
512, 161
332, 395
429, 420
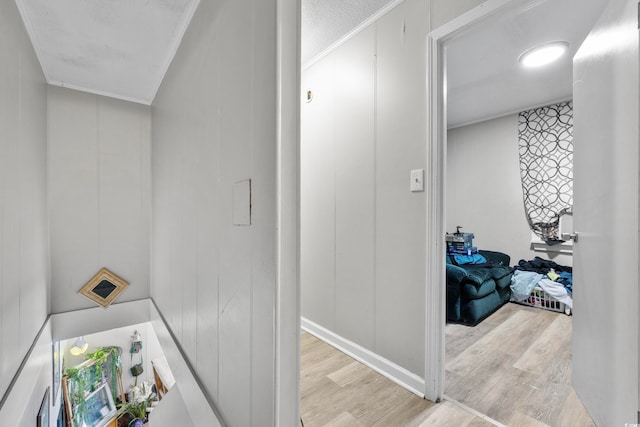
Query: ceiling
118, 48
485, 79
122, 48
326, 21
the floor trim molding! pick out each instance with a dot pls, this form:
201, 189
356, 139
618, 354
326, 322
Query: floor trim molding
384, 367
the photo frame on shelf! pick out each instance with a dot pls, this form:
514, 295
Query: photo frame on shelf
43, 413
104, 288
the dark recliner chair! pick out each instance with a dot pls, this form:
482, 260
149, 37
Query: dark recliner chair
476, 291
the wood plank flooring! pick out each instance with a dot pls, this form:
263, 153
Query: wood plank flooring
514, 367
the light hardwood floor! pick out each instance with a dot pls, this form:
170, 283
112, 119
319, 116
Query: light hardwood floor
514, 367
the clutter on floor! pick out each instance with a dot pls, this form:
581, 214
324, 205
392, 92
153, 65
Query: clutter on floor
544, 284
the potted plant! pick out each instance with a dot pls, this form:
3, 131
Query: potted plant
135, 410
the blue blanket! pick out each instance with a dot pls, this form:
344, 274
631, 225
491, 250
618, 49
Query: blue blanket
469, 259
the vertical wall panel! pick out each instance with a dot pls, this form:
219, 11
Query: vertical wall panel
362, 230
355, 186
263, 250
11, 186
73, 196
317, 198
400, 214
124, 133
98, 194
209, 217
34, 267
24, 275
214, 125
234, 85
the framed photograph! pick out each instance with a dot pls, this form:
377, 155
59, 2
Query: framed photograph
57, 371
103, 288
43, 413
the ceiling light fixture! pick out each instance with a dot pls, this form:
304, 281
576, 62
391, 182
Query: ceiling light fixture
543, 54
79, 347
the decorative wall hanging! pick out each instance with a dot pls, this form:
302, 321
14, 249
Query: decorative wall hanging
545, 138
104, 288
136, 347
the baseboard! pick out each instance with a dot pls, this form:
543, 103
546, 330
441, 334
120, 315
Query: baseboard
384, 367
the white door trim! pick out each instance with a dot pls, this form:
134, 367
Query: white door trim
435, 226
287, 300
436, 154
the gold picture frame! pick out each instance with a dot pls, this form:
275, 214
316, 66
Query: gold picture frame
104, 288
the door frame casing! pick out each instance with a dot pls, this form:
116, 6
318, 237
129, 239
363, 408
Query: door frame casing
435, 182
287, 298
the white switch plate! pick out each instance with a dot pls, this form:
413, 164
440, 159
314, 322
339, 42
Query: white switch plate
242, 202
417, 180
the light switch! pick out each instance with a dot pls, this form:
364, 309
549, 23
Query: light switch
242, 202
417, 180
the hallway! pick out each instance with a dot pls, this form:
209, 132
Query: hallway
514, 368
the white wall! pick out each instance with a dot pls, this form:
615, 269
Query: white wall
24, 274
213, 125
171, 411
400, 216
484, 190
362, 274
99, 194
120, 337
23, 403
362, 230
199, 405
443, 11
337, 256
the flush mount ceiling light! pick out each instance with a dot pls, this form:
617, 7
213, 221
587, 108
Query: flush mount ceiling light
79, 347
543, 54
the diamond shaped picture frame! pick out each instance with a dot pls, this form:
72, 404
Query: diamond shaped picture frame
104, 288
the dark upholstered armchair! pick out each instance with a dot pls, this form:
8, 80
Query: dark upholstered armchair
474, 291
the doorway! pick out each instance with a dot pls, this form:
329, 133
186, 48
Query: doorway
487, 183
438, 123
435, 170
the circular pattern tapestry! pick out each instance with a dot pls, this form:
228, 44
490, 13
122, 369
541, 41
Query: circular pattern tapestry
545, 138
